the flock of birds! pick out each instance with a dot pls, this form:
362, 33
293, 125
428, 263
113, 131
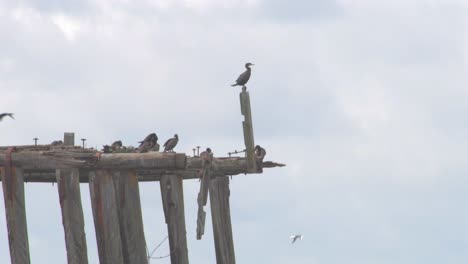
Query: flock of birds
150, 143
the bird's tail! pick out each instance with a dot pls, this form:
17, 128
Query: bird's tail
233, 84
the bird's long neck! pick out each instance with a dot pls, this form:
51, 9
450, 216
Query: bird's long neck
247, 67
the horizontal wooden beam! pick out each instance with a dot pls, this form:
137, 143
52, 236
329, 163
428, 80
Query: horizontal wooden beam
89, 159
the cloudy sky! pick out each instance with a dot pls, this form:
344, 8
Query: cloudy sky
365, 101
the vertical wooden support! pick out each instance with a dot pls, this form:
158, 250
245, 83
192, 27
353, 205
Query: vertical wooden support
13, 194
248, 131
106, 217
130, 217
68, 182
203, 194
173, 204
221, 218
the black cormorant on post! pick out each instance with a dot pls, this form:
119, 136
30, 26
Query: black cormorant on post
171, 143
260, 153
6, 114
244, 77
148, 144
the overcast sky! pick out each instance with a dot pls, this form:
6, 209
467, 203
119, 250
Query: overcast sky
365, 101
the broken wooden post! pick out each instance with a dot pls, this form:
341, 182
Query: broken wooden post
130, 217
221, 218
106, 217
248, 131
13, 194
69, 139
68, 183
205, 174
173, 205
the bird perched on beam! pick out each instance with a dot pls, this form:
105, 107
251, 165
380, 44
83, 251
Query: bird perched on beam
260, 153
150, 143
6, 114
171, 143
244, 77
116, 146
206, 155
56, 143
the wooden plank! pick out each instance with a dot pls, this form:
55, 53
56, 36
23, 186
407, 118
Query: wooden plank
173, 204
72, 215
13, 194
247, 126
221, 218
86, 159
130, 217
203, 194
106, 217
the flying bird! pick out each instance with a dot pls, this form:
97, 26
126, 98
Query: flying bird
6, 114
148, 144
244, 77
295, 237
171, 143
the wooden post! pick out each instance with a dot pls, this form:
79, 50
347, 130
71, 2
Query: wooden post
206, 174
248, 131
106, 217
13, 194
173, 204
68, 183
130, 217
221, 218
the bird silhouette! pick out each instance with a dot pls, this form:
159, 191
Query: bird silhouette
295, 238
148, 144
244, 77
6, 114
171, 143
260, 153
116, 145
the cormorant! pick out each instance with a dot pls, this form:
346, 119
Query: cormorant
148, 144
56, 143
206, 155
244, 77
171, 143
260, 153
116, 145
6, 114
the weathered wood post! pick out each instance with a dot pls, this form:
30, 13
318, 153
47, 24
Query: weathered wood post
206, 174
173, 205
221, 218
68, 183
130, 217
106, 217
13, 194
248, 131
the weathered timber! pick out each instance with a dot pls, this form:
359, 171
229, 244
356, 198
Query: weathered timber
221, 218
106, 217
203, 195
68, 183
69, 139
247, 126
86, 159
13, 194
130, 217
173, 205
224, 166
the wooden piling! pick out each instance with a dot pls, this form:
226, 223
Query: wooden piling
248, 131
173, 204
206, 174
13, 194
130, 217
221, 218
68, 182
106, 217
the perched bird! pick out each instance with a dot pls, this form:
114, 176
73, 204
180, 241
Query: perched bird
171, 143
56, 143
295, 237
244, 77
116, 145
106, 149
148, 144
260, 153
206, 155
6, 114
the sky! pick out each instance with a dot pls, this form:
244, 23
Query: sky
365, 101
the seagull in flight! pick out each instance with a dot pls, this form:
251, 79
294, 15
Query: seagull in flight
6, 114
295, 237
